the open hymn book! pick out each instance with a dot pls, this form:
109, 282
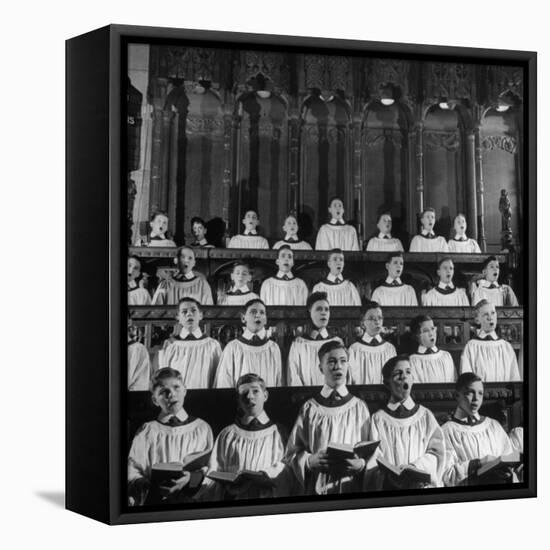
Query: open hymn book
408, 473
343, 451
166, 471
234, 478
501, 463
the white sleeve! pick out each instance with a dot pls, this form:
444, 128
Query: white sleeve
466, 360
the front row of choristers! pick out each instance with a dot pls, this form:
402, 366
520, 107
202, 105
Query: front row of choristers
202, 363
335, 445
285, 289
337, 233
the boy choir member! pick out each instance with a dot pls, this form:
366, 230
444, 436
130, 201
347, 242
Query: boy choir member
184, 282
369, 353
445, 294
171, 437
240, 292
471, 440
488, 288
139, 363
303, 358
284, 289
191, 352
340, 291
158, 235
337, 233
409, 433
250, 237
290, 228
137, 296
460, 243
384, 242
427, 240
332, 416
429, 365
392, 292
198, 228
490, 357
253, 443
251, 352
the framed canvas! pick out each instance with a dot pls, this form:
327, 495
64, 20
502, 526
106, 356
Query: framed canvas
329, 300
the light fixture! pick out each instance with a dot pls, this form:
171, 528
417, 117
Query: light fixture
447, 104
505, 101
264, 94
387, 96
502, 108
387, 101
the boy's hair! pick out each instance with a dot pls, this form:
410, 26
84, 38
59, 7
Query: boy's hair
163, 374
465, 379
444, 259
316, 297
291, 216
181, 249
284, 247
249, 379
134, 257
380, 216
197, 219
390, 364
189, 299
392, 255
370, 304
427, 209
244, 308
334, 198
158, 213
480, 304
251, 210
487, 262
416, 323
458, 215
334, 251
330, 346
239, 263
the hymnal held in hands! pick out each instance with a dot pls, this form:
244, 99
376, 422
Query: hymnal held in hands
408, 473
501, 463
343, 451
242, 476
166, 471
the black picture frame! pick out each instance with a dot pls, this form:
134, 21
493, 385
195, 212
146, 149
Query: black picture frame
95, 425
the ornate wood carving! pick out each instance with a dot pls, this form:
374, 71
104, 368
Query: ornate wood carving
378, 137
435, 141
383, 71
271, 65
328, 73
509, 144
501, 79
450, 80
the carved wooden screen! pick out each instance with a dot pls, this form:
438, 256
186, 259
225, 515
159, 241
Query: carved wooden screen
385, 167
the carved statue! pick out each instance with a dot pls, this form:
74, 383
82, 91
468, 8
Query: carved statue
505, 209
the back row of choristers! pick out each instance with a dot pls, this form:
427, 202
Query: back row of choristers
335, 445
334, 234
285, 289
203, 364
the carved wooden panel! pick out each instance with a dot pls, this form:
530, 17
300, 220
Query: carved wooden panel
328, 73
274, 66
449, 80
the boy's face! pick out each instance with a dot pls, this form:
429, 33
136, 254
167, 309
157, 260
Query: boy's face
334, 366
285, 260
460, 225
186, 260
252, 398
169, 395
384, 224
395, 267
199, 231
320, 314
336, 209
336, 263
400, 382
159, 225
487, 318
427, 334
446, 271
240, 275
255, 317
428, 220
189, 315
291, 226
134, 269
373, 321
470, 399
251, 220
492, 271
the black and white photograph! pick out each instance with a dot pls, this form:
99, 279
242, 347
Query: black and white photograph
326, 272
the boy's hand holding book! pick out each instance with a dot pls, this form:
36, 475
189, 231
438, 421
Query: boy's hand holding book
171, 488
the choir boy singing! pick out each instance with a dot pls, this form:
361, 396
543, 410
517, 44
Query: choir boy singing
369, 353
291, 228
488, 287
158, 235
303, 357
427, 240
139, 362
487, 355
384, 242
172, 437
429, 365
284, 289
184, 283
191, 352
332, 416
198, 227
460, 243
471, 440
392, 292
340, 291
249, 238
445, 294
337, 233
240, 292
137, 295
251, 352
